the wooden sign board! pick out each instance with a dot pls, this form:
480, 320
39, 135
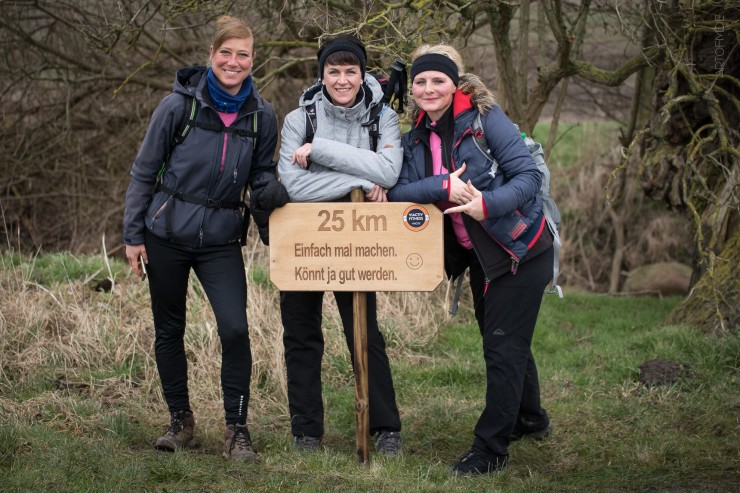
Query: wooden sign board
356, 246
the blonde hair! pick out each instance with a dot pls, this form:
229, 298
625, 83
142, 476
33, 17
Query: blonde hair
228, 27
481, 96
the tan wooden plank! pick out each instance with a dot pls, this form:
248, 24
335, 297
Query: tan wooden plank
347, 246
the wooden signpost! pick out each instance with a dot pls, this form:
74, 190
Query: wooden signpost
357, 246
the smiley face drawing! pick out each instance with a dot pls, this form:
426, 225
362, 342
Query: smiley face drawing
414, 261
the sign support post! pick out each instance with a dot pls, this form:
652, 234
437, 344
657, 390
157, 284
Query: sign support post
362, 401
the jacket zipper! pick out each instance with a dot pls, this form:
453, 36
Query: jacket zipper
455, 146
160, 210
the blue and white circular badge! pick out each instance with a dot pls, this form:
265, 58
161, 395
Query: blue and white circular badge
415, 217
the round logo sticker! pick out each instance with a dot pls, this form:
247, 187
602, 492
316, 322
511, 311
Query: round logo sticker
415, 217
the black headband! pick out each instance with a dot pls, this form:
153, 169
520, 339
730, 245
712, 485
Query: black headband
437, 62
342, 43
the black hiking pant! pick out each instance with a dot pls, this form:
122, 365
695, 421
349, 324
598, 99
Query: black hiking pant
304, 349
220, 270
507, 313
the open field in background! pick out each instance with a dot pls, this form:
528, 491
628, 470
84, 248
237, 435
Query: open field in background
80, 401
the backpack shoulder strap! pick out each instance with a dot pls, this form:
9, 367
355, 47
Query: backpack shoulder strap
188, 120
479, 138
189, 113
310, 111
373, 125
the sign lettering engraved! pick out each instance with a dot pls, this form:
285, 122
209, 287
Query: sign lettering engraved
362, 246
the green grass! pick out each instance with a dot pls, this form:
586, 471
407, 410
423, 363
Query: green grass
611, 433
577, 140
62, 267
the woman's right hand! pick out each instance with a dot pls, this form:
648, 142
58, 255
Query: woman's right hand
133, 252
459, 192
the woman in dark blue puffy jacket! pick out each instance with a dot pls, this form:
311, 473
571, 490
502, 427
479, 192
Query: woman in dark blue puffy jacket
188, 213
495, 226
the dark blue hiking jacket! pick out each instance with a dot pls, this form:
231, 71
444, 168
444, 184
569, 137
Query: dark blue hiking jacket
511, 199
194, 169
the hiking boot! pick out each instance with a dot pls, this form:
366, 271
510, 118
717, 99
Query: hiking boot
179, 433
525, 428
238, 444
389, 443
306, 442
474, 463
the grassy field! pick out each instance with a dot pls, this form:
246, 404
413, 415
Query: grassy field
80, 403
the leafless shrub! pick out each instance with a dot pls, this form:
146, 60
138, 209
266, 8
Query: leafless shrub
651, 232
101, 345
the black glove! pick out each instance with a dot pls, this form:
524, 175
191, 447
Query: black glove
266, 196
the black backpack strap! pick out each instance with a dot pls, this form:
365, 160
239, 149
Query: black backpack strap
210, 203
188, 119
183, 128
215, 204
310, 111
373, 125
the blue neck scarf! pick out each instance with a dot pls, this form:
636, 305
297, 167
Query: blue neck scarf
222, 100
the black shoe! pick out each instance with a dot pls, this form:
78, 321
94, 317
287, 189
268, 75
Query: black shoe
389, 443
474, 463
306, 442
525, 428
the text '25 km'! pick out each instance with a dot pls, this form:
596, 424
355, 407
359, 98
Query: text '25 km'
334, 221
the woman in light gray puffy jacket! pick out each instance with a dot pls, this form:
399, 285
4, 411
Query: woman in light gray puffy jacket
338, 159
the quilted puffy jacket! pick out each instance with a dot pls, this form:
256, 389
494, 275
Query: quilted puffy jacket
511, 197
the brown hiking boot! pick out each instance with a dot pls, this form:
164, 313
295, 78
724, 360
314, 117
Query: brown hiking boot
180, 432
238, 444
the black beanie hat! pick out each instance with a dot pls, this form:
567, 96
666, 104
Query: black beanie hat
437, 62
342, 43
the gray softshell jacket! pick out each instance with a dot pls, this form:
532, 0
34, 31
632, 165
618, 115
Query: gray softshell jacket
341, 155
195, 169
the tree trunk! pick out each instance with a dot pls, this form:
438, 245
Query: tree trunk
689, 154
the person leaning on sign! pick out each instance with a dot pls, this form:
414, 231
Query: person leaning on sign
188, 214
494, 225
339, 159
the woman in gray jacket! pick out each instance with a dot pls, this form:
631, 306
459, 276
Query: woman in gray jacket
206, 142
339, 158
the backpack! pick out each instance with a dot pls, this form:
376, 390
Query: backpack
187, 122
394, 96
549, 208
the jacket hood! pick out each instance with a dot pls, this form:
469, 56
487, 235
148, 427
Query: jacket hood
471, 93
188, 79
373, 94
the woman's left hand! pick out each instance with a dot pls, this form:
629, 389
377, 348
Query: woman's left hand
474, 208
377, 194
302, 155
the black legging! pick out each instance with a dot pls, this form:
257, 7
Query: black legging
507, 314
220, 270
304, 348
